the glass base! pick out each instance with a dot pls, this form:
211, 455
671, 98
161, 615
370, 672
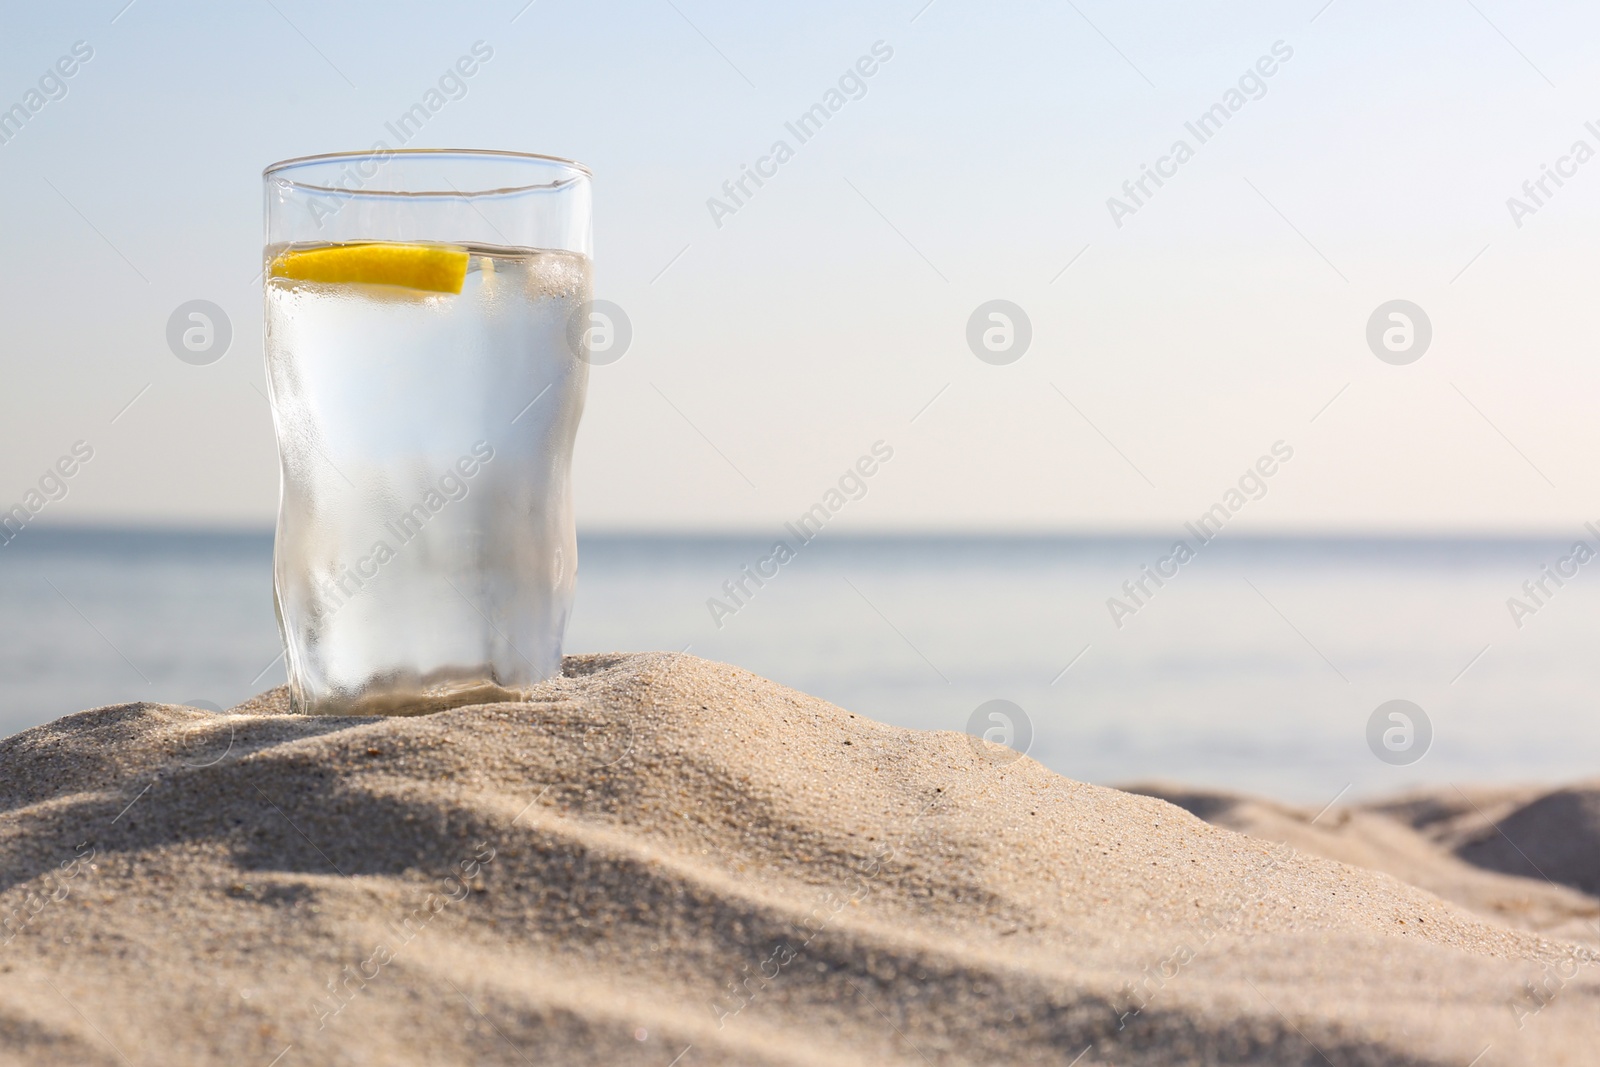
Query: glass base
420, 697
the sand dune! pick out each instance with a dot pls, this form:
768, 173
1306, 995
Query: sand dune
1438, 840
1549, 836
662, 860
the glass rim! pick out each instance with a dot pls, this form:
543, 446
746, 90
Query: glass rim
277, 170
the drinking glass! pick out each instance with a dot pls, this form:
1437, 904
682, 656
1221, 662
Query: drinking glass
426, 316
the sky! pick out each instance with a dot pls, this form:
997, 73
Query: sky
1179, 333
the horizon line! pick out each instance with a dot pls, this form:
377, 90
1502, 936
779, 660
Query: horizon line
883, 533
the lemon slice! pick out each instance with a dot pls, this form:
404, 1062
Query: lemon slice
434, 268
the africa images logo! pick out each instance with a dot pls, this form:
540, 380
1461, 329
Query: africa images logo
1252, 85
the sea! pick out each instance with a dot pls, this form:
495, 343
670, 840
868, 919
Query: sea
1310, 669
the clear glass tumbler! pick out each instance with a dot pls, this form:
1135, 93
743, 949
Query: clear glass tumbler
426, 317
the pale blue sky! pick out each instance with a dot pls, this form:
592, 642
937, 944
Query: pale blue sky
828, 311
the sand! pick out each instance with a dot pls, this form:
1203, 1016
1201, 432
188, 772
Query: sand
666, 861
1447, 842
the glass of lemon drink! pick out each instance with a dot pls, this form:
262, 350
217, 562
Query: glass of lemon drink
426, 320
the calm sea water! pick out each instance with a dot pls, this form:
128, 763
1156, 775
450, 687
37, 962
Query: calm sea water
1258, 666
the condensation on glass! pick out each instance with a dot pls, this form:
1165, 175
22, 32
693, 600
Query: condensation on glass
425, 553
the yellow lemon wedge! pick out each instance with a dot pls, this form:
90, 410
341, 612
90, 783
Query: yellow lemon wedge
433, 268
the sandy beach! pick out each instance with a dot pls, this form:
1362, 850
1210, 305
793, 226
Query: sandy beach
662, 861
